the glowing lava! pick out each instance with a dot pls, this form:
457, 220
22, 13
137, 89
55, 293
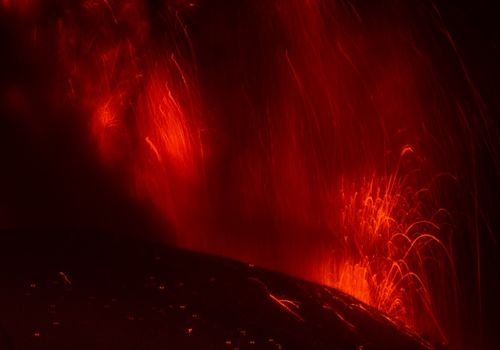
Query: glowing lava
282, 170
298, 135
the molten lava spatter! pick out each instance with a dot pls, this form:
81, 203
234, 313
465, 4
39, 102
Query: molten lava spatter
321, 138
258, 165
392, 255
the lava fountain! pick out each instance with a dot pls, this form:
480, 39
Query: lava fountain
331, 140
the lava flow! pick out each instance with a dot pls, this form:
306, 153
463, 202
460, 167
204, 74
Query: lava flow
332, 140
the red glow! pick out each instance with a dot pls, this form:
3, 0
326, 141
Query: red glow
304, 141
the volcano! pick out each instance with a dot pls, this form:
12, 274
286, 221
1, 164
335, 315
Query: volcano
139, 295
249, 174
